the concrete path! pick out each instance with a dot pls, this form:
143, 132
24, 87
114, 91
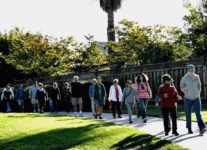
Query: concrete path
154, 126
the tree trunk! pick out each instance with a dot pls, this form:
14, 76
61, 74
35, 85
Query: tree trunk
110, 28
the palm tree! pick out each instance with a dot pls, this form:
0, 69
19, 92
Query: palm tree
109, 6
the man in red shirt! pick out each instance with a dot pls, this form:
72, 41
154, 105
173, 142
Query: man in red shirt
168, 101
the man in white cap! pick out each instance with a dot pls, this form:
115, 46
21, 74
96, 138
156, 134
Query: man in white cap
190, 85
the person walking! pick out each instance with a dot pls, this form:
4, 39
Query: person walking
77, 93
20, 97
41, 96
129, 98
190, 85
144, 93
99, 96
7, 96
54, 97
115, 97
168, 102
91, 96
66, 96
32, 96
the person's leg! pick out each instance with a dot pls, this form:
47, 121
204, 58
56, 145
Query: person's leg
145, 108
100, 111
113, 109
165, 114
188, 109
118, 104
74, 103
173, 114
80, 102
129, 109
93, 106
142, 108
197, 109
137, 109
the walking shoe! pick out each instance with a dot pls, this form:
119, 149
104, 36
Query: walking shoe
130, 122
145, 120
175, 133
119, 116
75, 114
100, 117
166, 133
202, 131
190, 131
81, 114
95, 116
114, 117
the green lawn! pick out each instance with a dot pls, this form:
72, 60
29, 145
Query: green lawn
53, 132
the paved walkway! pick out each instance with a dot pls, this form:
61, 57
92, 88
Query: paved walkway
154, 126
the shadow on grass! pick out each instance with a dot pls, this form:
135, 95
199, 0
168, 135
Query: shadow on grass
57, 139
140, 142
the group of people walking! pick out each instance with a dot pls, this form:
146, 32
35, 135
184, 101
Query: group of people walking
139, 93
134, 95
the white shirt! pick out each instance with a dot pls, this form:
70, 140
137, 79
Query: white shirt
112, 93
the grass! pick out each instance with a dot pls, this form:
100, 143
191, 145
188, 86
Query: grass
53, 132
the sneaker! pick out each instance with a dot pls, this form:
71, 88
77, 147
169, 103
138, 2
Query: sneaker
202, 131
100, 117
95, 116
119, 116
175, 133
190, 131
81, 114
145, 120
166, 133
130, 122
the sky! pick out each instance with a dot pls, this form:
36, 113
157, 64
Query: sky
63, 18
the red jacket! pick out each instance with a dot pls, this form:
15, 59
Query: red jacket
171, 100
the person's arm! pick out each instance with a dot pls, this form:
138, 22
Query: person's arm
160, 93
199, 84
149, 90
59, 94
124, 94
110, 93
120, 93
182, 86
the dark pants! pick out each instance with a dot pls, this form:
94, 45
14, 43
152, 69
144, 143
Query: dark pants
173, 113
116, 106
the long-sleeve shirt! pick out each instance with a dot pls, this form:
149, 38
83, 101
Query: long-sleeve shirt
129, 95
169, 101
20, 94
112, 93
191, 86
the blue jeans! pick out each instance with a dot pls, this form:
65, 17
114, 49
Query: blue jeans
196, 103
143, 106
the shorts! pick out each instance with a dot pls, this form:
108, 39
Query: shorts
76, 101
34, 101
99, 102
20, 102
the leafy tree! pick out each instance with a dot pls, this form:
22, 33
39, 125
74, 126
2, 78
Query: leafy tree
36, 55
144, 45
196, 28
88, 55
